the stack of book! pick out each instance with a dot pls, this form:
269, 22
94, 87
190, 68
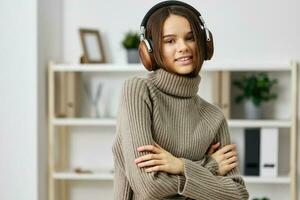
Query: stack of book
67, 94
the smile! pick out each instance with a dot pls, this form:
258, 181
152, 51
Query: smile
184, 60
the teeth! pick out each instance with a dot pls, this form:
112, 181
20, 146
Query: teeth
184, 59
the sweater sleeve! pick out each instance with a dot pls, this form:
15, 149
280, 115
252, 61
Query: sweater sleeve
134, 125
197, 183
122, 189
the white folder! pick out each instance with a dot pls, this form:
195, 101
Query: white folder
269, 152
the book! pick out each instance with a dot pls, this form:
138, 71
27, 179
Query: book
67, 94
221, 91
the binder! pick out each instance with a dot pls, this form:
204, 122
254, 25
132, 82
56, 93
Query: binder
269, 152
252, 152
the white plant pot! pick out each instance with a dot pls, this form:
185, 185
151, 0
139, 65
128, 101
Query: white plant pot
133, 56
251, 111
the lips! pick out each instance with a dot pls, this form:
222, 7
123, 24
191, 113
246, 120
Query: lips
184, 60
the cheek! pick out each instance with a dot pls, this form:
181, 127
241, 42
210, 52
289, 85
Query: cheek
193, 47
167, 53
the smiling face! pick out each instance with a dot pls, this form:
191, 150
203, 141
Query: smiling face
178, 45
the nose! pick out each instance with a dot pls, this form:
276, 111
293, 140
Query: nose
182, 46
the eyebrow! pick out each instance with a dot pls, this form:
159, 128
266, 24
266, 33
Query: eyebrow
173, 35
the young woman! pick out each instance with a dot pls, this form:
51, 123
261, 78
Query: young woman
165, 131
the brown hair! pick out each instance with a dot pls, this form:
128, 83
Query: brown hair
154, 30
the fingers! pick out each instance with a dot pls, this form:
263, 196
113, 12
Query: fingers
228, 165
150, 163
230, 154
227, 148
226, 168
213, 148
156, 168
231, 160
147, 157
151, 148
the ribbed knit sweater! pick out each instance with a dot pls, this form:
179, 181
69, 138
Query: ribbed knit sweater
165, 108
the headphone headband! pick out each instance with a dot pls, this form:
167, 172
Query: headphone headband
169, 3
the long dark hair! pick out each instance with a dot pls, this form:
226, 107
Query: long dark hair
154, 30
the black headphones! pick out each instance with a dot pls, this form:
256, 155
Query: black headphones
145, 46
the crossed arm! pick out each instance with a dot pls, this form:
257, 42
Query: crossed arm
196, 181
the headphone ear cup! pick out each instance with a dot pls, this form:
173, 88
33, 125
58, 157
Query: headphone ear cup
145, 55
209, 47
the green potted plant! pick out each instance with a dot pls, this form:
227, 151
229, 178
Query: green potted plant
256, 89
131, 43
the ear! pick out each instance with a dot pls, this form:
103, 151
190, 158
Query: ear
145, 56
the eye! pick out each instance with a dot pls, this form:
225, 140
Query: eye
170, 41
191, 38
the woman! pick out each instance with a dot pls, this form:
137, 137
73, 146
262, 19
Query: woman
165, 130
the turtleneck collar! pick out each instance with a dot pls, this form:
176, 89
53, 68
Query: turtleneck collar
174, 84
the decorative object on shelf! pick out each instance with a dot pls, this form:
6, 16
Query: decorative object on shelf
256, 89
94, 99
131, 43
79, 170
92, 46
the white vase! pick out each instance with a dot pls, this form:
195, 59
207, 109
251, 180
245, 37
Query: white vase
133, 56
252, 111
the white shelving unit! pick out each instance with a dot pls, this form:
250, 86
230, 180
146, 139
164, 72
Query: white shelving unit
107, 175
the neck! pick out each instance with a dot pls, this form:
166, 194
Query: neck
174, 84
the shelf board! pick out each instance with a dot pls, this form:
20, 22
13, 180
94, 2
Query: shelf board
84, 122
112, 122
247, 66
265, 180
210, 66
236, 123
109, 176
99, 67
101, 176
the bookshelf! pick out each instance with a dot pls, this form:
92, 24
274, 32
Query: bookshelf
57, 172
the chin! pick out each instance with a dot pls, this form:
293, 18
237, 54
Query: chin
185, 70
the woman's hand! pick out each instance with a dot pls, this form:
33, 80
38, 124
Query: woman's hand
226, 157
159, 160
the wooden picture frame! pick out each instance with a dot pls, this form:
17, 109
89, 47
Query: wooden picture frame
92, 46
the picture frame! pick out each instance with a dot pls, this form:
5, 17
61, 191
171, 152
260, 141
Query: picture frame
92, 46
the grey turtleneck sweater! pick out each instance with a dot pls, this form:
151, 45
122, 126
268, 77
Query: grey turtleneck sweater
165, 108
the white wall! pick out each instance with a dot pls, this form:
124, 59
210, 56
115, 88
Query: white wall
49, 48
30, 35
18, 102
255, 30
